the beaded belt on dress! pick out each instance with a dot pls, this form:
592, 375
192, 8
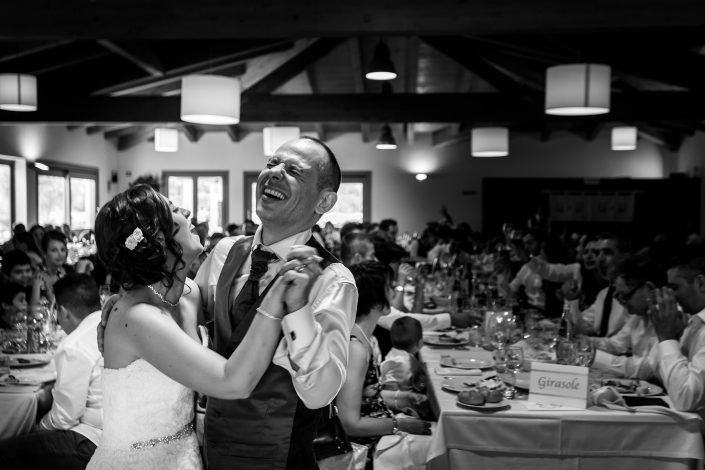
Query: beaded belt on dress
183, 432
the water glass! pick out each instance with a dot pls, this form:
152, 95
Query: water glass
565, 352
584, 352
500, 359
514, 362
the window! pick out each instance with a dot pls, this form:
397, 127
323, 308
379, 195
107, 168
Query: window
353, 199
204, 194
7, 191
67, 195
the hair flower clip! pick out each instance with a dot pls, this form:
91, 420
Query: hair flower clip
133, 240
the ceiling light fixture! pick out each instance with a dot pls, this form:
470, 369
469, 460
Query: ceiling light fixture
386, 139
210, 99
578, 89
18, 92
274, 137
624, 138
41, 166
421, 176
490, 142
166, 139
381, 66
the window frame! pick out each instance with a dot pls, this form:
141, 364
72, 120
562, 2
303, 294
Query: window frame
364, 177
194, 176
13, 199
67, 172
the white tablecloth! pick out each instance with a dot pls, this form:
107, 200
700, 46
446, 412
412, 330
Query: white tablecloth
586, 439
18, 405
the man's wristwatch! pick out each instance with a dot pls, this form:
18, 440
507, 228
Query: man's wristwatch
395, 426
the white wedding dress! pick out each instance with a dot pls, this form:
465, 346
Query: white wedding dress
147, 422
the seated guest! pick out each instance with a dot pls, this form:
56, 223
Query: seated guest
67, 435
17, 267
54, 246
401, 369
362, 409
13, 299
604, 317
679, 356
626, 353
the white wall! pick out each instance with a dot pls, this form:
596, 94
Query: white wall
55, 143
395, 191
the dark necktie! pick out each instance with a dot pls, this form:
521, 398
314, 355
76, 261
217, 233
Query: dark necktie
250, 290
606, 310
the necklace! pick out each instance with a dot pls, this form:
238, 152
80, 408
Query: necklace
161, 297
369, 343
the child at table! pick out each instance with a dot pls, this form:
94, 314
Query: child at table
401, 369
13, 300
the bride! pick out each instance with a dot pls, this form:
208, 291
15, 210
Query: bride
153, 359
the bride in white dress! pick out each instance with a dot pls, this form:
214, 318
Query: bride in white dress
153, 359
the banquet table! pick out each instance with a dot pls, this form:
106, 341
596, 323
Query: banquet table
524, 438
19, 403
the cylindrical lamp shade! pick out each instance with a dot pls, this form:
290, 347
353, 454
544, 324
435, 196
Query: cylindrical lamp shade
210, 99
274, 137
166, 140
624, 138
578, 89
490, 142
18, 92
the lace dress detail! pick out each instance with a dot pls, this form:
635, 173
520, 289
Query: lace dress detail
142, 405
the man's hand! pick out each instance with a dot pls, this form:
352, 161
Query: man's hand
669, 322
405, 270
570, 290
299, 272
107, 308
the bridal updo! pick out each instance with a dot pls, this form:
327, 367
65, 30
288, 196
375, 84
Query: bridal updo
138, 257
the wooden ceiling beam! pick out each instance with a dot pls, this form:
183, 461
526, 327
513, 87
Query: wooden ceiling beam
134, 19
487, 108
230, 64
143, 134
192, 132
139, 54
294, 66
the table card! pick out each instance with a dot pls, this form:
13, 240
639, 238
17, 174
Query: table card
558, 385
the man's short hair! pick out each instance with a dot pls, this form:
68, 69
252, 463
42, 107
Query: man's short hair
690, 262
329, 174
405, 333
620, 242
14, 258
353, 243
386, 223
78, 293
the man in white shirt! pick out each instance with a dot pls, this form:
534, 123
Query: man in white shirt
604, 317
626, 353
275, 426
68, 434
679, 356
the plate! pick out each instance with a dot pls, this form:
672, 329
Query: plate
466, 362
20, 361
502, 405
458, 384
444, 340
636, 387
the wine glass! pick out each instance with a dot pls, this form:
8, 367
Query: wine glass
584, 352
514, 362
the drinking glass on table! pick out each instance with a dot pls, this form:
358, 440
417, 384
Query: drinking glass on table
514, 359
584, 352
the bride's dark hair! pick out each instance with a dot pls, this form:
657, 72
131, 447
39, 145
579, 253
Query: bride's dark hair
144, 208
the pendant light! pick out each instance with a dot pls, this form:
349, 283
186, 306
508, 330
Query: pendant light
578, 89
624, 138
386, 139
166, 139
490, 142
274, 137
18, 92
210, 99
381, 66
